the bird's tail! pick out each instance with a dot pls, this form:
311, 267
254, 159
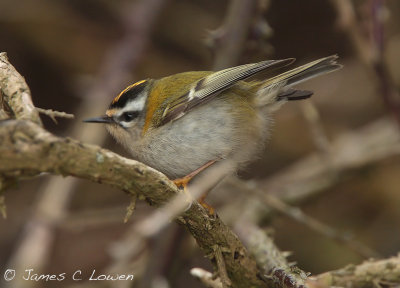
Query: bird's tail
279, 88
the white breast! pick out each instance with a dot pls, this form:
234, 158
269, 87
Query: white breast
208, 133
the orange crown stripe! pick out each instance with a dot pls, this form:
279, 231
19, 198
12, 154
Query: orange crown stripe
126, 89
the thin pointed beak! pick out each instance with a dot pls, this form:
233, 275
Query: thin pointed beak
101, 119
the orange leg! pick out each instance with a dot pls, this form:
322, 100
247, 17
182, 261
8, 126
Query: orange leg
202, 201
184, 181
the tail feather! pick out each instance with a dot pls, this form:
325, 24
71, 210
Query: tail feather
278, 88
293, 94
307, 71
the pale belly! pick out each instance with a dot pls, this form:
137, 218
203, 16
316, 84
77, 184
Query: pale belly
210, 132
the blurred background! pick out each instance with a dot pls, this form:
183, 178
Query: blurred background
77, 55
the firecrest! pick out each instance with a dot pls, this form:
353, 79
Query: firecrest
183, 123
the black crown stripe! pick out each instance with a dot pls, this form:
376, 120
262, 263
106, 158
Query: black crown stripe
128, 94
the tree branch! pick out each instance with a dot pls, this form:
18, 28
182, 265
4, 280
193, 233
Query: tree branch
229, 39
371, 273
269, 258
313, 174
16, 93
370, 53
115, 70
27, 149
206, 278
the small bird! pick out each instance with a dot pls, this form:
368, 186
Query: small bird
182, 124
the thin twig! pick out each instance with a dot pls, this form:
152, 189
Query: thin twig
204, 182
206, 278
231, 36
370, 55
390, 93
53, 114
313, 118
311, 175
223, 275
299, 216
131, 208
3, 207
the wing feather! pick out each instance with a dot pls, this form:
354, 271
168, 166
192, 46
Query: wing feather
210, 86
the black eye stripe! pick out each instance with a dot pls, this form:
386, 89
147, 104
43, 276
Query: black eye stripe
129, 116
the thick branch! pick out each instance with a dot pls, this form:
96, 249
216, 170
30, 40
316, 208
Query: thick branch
269, 258
27, 149
16, 93
382, 273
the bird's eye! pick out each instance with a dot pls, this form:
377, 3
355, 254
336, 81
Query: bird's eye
129, 116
